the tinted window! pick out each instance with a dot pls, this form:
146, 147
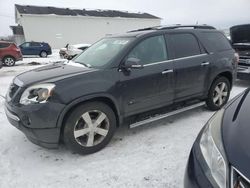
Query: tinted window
4, 45
185, 45
35, 44
217, 41
150, 50
26, 44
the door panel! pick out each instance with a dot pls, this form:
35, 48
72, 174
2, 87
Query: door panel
191, 65
190, 75
147, 88
144, 89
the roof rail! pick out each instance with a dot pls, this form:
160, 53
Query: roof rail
178, 26
187, 26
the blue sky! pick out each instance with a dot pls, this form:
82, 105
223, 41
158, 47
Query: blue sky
219, 13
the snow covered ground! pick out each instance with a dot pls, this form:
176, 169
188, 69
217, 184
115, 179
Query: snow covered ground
153, 155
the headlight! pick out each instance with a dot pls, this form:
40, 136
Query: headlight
37, 94
213, 151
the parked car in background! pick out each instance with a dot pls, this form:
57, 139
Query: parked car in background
70, 51
36, 48
240, 39
220, 156
9, 53
129, 78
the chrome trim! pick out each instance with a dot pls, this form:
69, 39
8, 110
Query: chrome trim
242, 175
159, 117
205, 63
177, 59
168, 71
10, 115
18, 82
156, 63
182, 58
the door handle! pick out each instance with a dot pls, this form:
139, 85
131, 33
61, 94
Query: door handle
205, 64
167, 71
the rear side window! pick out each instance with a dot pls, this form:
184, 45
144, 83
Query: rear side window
216, 41
35, 44
4, 45
150, 50
185, 45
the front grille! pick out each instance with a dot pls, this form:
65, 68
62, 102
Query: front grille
239, 180
12, 90
244, 62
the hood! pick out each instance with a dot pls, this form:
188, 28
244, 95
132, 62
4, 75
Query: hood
236, 133
52, 73
240, 34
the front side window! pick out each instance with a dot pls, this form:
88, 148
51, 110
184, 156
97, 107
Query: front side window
26, 45
185, 45
102, 52
150, 50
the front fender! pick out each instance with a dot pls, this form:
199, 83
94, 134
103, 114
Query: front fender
82, 99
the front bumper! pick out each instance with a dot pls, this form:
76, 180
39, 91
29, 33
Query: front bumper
196, 175
243, 73
39, 125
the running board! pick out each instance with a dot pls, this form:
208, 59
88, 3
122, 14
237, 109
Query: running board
159, 117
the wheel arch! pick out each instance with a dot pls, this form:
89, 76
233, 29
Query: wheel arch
74, 104
226, 74
8, 56
229, 76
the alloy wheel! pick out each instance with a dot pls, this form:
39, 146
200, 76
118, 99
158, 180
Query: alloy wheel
43, 54
91, 128
9, 61
220, 94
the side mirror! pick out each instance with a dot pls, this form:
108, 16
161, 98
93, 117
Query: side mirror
133, 63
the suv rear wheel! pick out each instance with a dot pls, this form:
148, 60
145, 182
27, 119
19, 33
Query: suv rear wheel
89, 128
9, 61
218, 94
43, 54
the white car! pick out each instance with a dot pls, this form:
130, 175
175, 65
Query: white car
70, 51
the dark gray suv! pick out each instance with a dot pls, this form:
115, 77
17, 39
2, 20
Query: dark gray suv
122, 79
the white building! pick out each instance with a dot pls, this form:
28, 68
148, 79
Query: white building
60, 26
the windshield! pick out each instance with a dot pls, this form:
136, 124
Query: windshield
102, 52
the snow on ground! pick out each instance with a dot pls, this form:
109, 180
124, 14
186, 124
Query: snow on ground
153, 155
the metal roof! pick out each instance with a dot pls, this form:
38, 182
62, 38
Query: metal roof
40, 10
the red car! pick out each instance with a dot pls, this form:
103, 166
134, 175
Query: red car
9, 53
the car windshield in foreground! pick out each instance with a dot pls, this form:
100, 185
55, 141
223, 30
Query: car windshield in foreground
102, 53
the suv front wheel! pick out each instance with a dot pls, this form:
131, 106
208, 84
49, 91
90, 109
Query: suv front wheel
218, 94
89, 128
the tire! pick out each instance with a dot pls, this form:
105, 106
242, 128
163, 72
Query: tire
80, 130
9, 61
43, 54
218, 93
